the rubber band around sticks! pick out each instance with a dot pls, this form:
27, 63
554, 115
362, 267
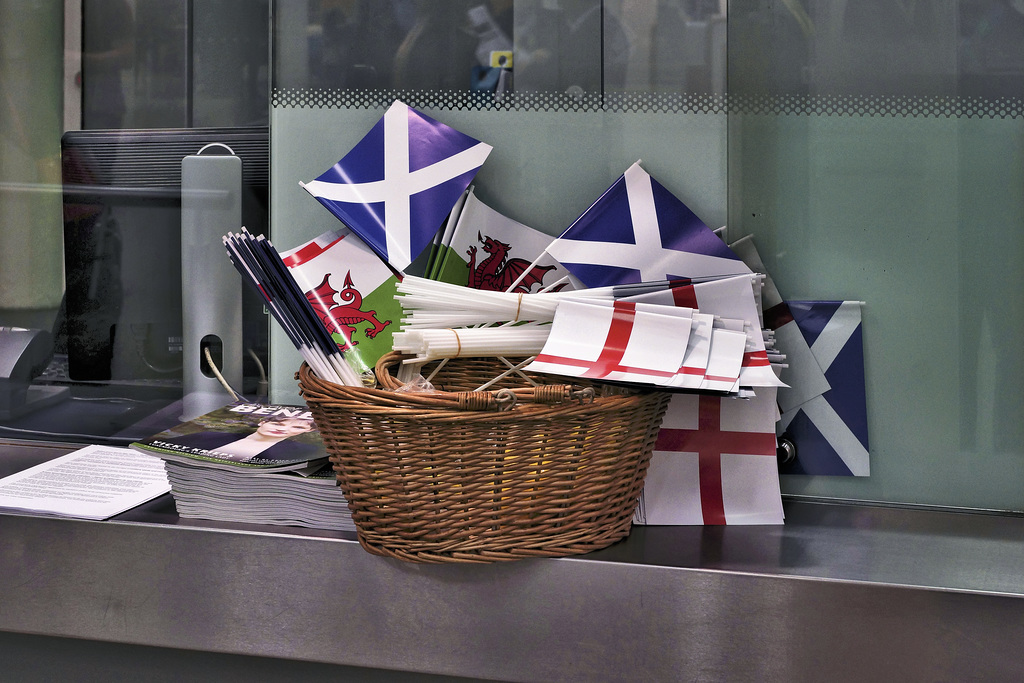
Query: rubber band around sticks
519, 305
458, 343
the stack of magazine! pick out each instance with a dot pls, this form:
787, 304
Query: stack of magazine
251, 463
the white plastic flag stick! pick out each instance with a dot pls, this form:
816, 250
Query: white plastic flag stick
512, 368
560, 281
431, 344
519, 372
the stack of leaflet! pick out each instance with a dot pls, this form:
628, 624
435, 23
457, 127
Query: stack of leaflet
249, 462
291, 498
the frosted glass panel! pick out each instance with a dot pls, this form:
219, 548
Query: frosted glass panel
877, 154
874, 149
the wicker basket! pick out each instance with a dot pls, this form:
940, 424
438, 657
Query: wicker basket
483, 476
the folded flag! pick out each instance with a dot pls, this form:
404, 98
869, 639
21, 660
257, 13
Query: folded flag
690, 374
803, 377
618, 341
639, 231
491, 251
729, 297
714, 462
830, 431
351, 290
724, 361
443, 238
397, 185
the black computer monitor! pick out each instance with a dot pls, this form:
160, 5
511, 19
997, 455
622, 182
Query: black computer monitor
122, 317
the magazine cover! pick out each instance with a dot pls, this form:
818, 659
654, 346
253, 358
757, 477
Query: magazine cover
243, 436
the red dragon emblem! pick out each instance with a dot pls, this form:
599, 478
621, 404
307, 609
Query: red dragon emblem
342, 318
496, 272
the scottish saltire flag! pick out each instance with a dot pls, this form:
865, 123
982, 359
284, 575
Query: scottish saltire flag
351, 290
493, 252
831, 431
620, 341
639, 231
803, 377
397, 185
714, 462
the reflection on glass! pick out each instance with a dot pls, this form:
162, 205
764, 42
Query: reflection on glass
174, 63
878, 47
150, 80
108, 52
881, 146
573, 46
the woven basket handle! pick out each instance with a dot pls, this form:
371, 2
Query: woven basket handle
499, 399
503, 399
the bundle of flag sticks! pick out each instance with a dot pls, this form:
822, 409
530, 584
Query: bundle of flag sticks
261, 266
619, 333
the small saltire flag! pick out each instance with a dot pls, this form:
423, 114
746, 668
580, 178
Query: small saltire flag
397, 185
617, 341
639, 231
351, 290
491, 251
714, 462
830, 431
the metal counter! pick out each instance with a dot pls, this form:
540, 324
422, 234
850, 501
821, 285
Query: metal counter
839, 592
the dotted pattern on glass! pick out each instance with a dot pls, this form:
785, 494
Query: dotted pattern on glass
810, 105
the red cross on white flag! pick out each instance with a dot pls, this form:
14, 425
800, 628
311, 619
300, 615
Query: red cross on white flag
714, 463
617, 341
731, 297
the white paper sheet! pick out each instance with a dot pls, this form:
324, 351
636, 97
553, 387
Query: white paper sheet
95, 482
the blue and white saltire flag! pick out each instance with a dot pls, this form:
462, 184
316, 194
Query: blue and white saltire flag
830, 431
397, 185
638, 231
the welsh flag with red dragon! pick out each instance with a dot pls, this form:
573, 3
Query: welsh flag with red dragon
351, 290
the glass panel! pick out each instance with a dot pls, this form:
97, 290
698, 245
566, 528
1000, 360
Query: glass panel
877, 154
593, 86
575, 46
91, 220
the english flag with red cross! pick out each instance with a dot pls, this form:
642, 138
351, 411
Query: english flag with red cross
615, 341
714, 462
730, 297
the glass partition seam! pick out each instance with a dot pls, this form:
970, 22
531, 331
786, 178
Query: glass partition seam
645, 102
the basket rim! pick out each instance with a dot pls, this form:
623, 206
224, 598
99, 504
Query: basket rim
440, 404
